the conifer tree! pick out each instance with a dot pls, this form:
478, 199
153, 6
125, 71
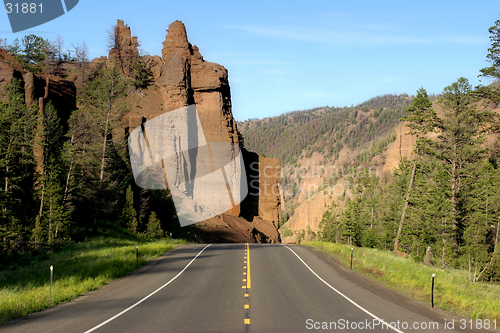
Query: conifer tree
459, 143
48, 141
94, 126
154, 229
482, 207
420, 119
128, 217
17, 124
492, 92
55, 217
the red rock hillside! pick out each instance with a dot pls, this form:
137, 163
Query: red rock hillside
182, 77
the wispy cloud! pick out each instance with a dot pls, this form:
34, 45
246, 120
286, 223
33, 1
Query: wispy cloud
377, 35
259, 59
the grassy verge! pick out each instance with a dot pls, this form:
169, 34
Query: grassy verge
78, 268
452, 292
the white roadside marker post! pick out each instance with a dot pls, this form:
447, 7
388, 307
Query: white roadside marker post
352, 249
432, 290
51, 277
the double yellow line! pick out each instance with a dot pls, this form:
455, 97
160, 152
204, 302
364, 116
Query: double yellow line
249, 281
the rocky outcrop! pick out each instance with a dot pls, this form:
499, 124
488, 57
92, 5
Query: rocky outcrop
264, 199
181, 78
7, 70
186, 78
125, 48
61, 92
227, 228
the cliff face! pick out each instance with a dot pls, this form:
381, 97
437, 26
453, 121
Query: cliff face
181, 78
49, 87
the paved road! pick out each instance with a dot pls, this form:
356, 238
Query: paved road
239, 288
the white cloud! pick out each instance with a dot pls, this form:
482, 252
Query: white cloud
374, 35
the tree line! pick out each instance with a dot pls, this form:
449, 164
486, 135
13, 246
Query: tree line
297, 133
63, 181
446, 199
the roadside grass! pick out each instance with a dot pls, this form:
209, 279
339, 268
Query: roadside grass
78, 268
452, 289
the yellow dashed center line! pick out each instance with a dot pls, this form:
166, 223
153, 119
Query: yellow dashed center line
249, 283
246, 279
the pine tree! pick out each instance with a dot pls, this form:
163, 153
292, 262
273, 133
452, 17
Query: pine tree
482, 206
492, 92
94, 135
140, 73
421, 120
17, 124
330, 224
48, 141
493, 56
154, 229
128, 217
351, 222
458, 146
134, 225
55, 217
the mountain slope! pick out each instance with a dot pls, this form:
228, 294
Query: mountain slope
320, 146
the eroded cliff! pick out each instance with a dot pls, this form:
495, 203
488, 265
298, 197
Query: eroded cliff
181, 77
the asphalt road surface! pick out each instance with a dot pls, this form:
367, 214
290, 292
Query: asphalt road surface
240, 288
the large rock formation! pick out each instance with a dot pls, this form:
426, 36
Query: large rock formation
181, 78
125, 48
61, 92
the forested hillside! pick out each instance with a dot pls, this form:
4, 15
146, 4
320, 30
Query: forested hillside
443, 202
325, 129
64, 171
339, 138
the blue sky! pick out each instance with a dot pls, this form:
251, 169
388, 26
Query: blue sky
285, 56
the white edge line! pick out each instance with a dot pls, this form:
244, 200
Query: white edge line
347, 298
145, 298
